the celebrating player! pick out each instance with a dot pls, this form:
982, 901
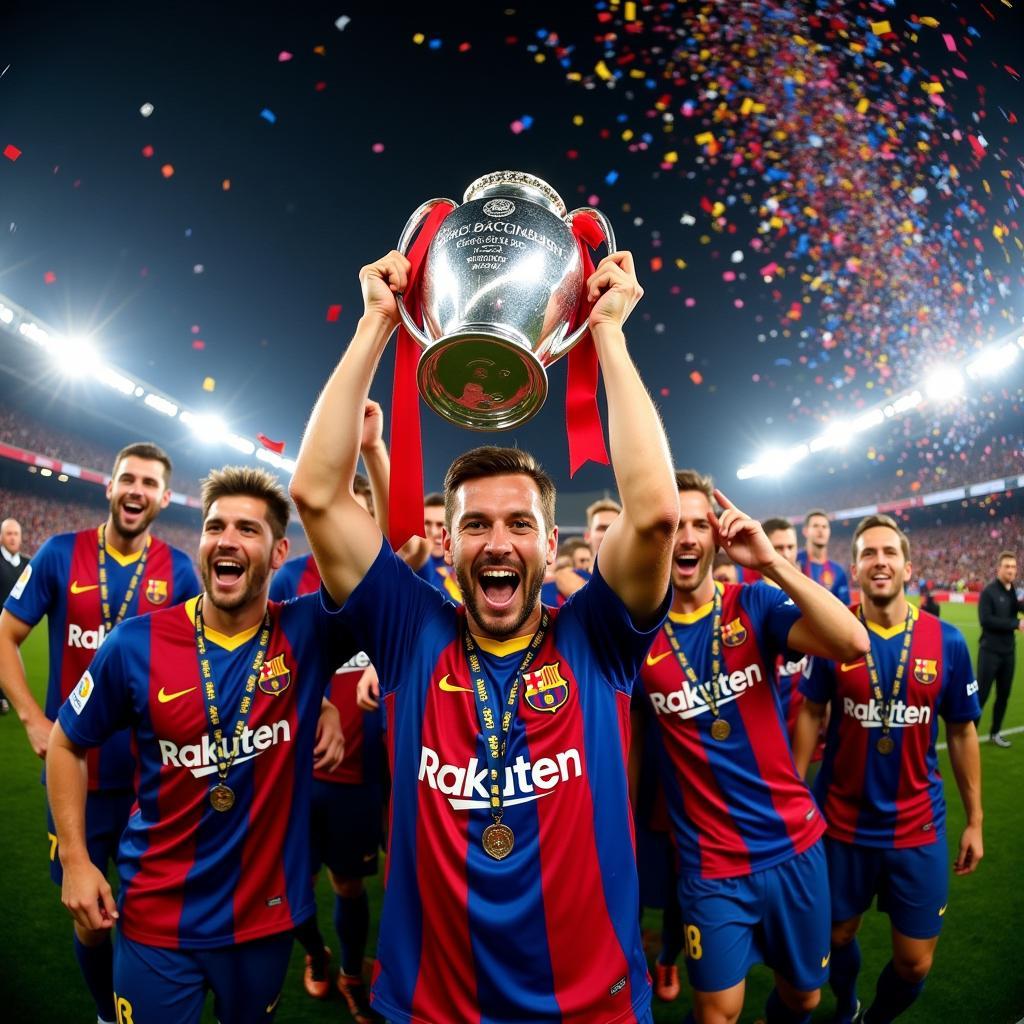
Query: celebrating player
426, 554
86, 583
511, 877
222, 694
753, 885
879, 786
814, 560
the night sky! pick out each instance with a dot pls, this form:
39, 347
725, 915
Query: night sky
378, 122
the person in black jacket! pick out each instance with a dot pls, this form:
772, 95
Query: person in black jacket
12, 565
998, 611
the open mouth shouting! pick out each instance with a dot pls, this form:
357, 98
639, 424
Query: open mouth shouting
133, 513
498, 587
229, 573
687, 565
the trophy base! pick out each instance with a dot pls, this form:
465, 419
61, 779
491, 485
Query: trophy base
482, 380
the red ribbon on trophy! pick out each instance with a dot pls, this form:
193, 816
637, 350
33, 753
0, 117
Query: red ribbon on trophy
405, 491
582, 416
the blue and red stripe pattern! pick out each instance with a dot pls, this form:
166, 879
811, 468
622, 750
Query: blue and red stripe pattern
465, 937
62, 583
831, 575
737, 805
892, 800
193, 877
362, 730
439, 574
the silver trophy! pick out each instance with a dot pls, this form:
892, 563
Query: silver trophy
501, 282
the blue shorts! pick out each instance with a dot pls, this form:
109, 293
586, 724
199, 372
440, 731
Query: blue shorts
106, 815
344, 828
912, 884
169, 986
778, 917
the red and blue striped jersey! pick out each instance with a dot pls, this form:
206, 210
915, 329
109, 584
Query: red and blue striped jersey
62, 583
788, 673
362, 729
441, 575
831, 575
896, 799
193, 877
550, 595
737, 805
550, 934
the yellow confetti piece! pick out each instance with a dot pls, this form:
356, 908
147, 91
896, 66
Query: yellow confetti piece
539, 58
602, 69
880, 28
419, 38
577, 119
985, 185
627, 135
998, 233
929, 21
932, 87
923, 147
629, 11
799, 40
864, 105
636, 73
671, 158
704, 139
907, 227
777, 222
574, 76
705, 239
857, 47
209, 384
681, 264
718, 209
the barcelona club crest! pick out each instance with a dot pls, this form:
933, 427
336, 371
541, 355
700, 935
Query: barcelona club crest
925, 670
734, 633
546, 688
828, 577
156, 591
275, 676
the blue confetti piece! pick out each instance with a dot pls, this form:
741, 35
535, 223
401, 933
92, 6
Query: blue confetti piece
611, 177
434, 44
268, 115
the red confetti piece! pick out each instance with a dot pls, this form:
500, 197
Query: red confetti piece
465, 47
320, 86
199, 344
333, 312
11, 152
49, 277
665, 392
147, 151
656, 263
273, 446
167, 170
696, 376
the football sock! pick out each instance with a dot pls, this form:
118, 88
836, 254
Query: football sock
671, 932
308, 934
777, 1012
893, 995
844, 967
97, 966
352, 922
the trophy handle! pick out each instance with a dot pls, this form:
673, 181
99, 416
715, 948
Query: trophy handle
609, 239
412, 225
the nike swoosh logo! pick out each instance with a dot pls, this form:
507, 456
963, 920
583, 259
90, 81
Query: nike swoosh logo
653, 660
825, 960
166, 698
851, 666
942, 909
273, 1006
78, 589
451, 688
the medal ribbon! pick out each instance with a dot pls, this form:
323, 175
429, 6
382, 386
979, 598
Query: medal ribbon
496, 733
140, 568
225, 759
901, 668
710, 696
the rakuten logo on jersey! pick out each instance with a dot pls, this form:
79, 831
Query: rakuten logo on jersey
86, 639
901, 714
202, 757
525, 781
688, 701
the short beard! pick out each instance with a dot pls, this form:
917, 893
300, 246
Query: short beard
136, 531
256, 584
882, 600
532, 586
703, 568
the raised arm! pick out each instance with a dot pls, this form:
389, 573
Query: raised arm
636, 553
344, 536
826, 627
14, 683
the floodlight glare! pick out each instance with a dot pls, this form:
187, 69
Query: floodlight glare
208, 427
943, 384
993, 361
75, 357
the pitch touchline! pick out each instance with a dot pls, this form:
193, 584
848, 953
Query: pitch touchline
985, 739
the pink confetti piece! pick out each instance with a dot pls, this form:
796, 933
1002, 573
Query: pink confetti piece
377, 147
49, 277
283, 56
949, 41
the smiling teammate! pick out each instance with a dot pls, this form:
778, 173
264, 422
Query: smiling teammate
511, 890
814, 560
86, 583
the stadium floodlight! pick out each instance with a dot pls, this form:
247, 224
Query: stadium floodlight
207, 427
75, 356
908, 401
240, 444
32, 331
867, 420
944, 383
161, 404
6, 314
993, 361
116, 380
835, 436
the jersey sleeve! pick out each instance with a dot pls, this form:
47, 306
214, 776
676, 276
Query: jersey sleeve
388, 614
842, 587
186, 582
818, 681
774, 613
959, 701
100, 704
619, 645
32, 595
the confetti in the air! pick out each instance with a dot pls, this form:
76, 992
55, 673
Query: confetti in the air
146, 109
11, 152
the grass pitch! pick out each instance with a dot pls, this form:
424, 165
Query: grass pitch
976, 979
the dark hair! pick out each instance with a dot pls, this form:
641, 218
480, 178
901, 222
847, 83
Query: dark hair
775, 524
489, 460
572, 545
868, 522
814, 512
145, 450
249, 482
691, 480
432, 499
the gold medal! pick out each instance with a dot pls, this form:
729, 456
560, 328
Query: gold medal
886, 745
222, 798
497, 840
720, 729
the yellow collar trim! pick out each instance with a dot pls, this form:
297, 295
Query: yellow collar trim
123, 559
503, 647
686, 618
888, 632
229, 643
